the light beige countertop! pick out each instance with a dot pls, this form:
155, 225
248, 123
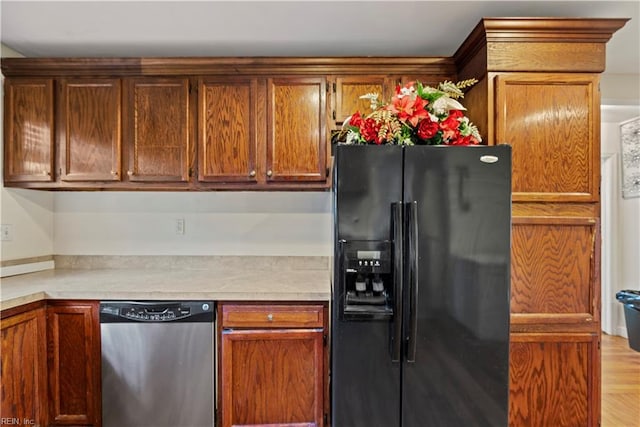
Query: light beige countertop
173, 278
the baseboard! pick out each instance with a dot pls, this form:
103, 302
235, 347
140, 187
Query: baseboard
622, 331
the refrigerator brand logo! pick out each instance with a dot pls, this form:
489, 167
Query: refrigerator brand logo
488, 159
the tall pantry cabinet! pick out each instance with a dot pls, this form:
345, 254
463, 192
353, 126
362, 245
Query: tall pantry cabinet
539, 92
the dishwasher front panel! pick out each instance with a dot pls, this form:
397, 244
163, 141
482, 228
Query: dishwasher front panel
158, 374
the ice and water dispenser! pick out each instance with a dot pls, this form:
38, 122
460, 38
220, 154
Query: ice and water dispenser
367, 279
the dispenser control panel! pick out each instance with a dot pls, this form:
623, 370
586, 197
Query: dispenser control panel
369, 256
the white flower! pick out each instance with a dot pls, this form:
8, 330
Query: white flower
352, 138
373, 99
443, 104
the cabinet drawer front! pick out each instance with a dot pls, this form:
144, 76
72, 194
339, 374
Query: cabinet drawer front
272, 316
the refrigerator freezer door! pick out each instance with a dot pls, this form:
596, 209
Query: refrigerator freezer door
365, 382
460, 372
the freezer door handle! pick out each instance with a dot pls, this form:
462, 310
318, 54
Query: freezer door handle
411, 275
339, 286
396, 326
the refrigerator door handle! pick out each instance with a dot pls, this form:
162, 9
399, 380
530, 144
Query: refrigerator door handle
412, 277
396, 331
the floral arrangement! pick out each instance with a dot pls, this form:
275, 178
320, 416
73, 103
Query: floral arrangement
416, 115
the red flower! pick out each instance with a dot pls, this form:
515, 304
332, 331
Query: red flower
465, 140
449, 126
356, 119
427, 129
369, 130
409, 110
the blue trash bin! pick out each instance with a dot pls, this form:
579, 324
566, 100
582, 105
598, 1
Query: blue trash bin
631, 301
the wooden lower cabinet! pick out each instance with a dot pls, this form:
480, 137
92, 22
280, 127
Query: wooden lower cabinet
273, 372
51, 364
554, 379
23, 394
73, 342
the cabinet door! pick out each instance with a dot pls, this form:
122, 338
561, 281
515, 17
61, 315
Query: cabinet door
296, 142
158, 129
227, 129
552, 122
554, 270
554, 380
28, 130
24, 362
73, 338
272, 377
90, 131
348, 91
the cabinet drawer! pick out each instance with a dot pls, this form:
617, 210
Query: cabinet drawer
272, 316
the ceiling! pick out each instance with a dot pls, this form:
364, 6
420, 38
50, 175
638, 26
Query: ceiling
286, 28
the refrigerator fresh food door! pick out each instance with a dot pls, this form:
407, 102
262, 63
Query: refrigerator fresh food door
456, 290
365, 380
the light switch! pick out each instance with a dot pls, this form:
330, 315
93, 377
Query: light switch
180, 226
6, 232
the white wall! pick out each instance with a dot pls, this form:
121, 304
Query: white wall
216, 223
624, 234
29, 213
620, 89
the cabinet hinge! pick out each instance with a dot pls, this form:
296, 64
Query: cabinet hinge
326, 172
334, 114
334, 87
325, 419
324, 340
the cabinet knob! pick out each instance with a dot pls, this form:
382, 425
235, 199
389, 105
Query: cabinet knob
129, 173
270, 317
114, 173
47, 173
269, 173
252, 173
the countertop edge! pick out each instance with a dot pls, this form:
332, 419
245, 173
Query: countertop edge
215, 296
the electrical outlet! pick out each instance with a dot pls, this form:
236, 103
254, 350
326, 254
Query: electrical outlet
180, 226
6, 232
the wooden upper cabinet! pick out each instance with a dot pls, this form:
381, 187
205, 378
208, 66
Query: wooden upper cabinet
348, 91
296, 129
73, 342
23, 394
552, 122
227, 137
89, 129
28, 130
158, 129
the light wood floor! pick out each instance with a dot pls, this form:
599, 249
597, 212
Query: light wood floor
620, 383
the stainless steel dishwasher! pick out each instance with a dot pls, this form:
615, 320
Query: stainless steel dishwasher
157, 363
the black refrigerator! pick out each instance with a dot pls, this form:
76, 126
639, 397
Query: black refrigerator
420, 305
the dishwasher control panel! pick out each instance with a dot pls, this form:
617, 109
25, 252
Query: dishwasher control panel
156, 311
